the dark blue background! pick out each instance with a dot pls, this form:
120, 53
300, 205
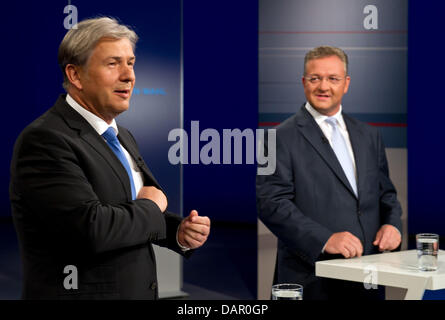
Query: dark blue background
32, 78
426, 111
219, 97
426, 114
220, 84
221, 91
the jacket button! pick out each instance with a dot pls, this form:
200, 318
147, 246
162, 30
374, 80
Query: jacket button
359, 213
153, 286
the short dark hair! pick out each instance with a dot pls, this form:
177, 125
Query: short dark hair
326, 51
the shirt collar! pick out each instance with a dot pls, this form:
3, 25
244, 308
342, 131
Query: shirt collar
97, 123
320, 118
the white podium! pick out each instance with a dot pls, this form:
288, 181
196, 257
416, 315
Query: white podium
395, 269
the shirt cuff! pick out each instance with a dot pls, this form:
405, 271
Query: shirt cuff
324, 247
184, 249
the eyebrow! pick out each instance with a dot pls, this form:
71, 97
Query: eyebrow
120, 58
331, 75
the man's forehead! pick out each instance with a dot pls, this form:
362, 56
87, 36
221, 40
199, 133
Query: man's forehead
325, 63
326, 60
114, 48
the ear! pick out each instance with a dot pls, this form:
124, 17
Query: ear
303, 80
348, 80
73, 74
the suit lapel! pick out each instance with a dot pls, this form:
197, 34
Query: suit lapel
357, 138
89, 135
313, 134
129, 145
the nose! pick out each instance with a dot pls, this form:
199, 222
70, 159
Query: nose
127, 74
324, 84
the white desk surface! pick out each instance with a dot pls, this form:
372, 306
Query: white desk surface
396, 269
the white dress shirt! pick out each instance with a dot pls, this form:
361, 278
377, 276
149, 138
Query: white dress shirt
327, 129
101, 126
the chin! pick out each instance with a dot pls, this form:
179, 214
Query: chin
321, 107
123, 104
326, 110
121, 108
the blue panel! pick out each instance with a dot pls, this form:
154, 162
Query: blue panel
426, 158
34, 78
220, 90
434, 295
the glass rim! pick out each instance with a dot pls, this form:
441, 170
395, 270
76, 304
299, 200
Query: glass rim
287, 286
427, 235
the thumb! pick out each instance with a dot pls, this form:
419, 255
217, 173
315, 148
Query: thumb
377, 238
192, 214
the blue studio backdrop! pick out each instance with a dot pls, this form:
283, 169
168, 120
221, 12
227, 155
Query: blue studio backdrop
426, 156
155, 107
36, 80
218, 97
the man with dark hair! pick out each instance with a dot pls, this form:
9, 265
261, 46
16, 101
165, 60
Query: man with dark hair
331, 195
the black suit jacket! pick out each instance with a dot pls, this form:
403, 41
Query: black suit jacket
71, 205
309, 198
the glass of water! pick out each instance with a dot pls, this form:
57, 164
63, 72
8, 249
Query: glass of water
427, 249
287, 291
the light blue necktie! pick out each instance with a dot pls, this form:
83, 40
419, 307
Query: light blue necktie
113, 142
342, 153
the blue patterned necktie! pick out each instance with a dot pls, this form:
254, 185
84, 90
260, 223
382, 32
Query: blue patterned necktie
342, 153
113, 142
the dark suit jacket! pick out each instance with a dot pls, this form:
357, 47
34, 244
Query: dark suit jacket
309, 198
71, 205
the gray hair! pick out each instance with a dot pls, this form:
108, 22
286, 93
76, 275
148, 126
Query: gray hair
326, 51
78, 44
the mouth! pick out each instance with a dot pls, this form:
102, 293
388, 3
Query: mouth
123, 93
322, 96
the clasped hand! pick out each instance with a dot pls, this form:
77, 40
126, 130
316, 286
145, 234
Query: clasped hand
345, 243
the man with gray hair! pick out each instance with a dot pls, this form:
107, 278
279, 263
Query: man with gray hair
331, 195
85, 205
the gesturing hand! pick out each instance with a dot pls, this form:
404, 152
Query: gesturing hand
194, 230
